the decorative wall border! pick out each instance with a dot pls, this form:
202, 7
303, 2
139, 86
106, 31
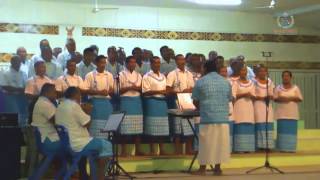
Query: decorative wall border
29, 28
5, 57
207, 36
287, 64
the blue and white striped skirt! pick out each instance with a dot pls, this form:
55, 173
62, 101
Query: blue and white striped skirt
261, 140
287, 135
182, 127
17, 103
244, 138
231, 127
101, 111
155, 116
178, 125
132, 124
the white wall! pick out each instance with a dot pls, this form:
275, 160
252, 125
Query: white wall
62, 14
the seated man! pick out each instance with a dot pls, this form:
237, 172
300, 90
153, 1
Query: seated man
70, 115
43, 116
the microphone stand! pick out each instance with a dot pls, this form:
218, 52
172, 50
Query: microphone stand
267, 164
117, 93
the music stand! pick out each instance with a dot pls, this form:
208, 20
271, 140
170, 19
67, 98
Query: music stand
112, 128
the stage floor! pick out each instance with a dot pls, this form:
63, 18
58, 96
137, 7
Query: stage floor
308, 154
304, 164
291, 173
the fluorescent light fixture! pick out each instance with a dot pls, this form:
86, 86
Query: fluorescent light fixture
218, 2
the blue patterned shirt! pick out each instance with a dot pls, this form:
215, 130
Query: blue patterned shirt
214, 94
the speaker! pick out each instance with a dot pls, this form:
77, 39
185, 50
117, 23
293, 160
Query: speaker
11, 139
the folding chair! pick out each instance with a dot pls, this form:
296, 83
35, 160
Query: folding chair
48, 157
76, 156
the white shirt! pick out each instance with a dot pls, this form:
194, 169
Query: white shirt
83, 69
243, 108
43, 111
66, 81
153, 82
63, 58
1, 77
99, 81
38, 57
53, 70
127, 79
260, 105
145, 67
70, 115
14, 78
114, 69
287, 110
233, 80
165, 67
25, 66
35, 84
180, 80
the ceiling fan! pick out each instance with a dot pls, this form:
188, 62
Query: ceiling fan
97, 9
271, 6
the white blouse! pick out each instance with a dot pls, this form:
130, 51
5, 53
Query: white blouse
260, 105
154, 82
243, 107
127, 79
287, 110
99, 81
66, 81
35, 84
233, 80
180, 80
83, 69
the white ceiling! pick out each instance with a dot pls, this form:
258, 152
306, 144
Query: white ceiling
309, 19
247, 5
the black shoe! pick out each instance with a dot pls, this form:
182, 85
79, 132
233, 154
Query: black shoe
217, 172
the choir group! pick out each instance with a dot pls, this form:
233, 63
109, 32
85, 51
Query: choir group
145, 87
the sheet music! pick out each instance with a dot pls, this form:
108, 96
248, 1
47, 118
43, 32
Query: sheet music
185, 101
